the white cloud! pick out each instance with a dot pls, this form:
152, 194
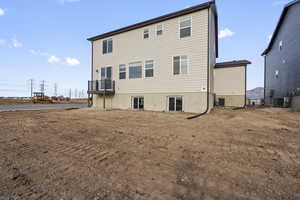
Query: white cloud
68, 1
39, 53
72, 61
2, 12
53, 59
2, 42
16, 43
226, 33
280, 3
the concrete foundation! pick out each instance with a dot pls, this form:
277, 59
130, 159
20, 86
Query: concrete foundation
192, 102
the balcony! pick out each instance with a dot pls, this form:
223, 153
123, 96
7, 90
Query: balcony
105, 86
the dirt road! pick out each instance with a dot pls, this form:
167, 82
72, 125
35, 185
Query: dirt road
126, 155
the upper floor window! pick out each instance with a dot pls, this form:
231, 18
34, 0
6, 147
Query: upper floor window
135, 70
159, 29
149, 68
107, 46
146, 33
180, 65
122, 71
185, 27
280, 45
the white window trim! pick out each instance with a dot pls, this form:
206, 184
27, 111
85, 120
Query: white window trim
280, 45
157, 30
168, 101
106, 72
144, 68
184, 19
107, 46
132, 102
144, 33
125, 73
187, 70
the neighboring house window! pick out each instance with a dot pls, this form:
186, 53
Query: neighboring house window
180, 65
175, 104
138, 103
122, 72
276, 73
135, 70
280, 45
159, 29
107, 46
146, 33
149, 68
185, 28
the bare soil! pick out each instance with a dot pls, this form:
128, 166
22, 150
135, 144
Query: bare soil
126, 155
5, 101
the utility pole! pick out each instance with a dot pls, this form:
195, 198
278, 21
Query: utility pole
31, 86
55, 89
76, 93
70, 93
42, 86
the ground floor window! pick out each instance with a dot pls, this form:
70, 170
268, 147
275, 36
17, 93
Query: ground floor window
221, 102
175, 104
138, 103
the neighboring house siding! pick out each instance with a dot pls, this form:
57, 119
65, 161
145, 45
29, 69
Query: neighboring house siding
131, 47
230, 85
286, 61
212, 55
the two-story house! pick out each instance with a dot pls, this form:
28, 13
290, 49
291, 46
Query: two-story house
163, 64
282, 60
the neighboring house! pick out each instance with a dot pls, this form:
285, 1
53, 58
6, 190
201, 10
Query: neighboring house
231, 83
282, 60
163, 64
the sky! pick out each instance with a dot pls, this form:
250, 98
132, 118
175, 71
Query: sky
46, 39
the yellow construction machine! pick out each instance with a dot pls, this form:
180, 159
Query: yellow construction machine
40, 97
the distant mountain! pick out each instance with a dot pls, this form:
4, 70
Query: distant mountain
256, 93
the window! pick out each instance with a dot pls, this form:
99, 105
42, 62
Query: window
159, 29
149, 68
106, 76
106, 73
280, 45
122, 71
180, 65
277, 73
138, 103
175, 104
185, 28
146, 33
107, 46
135, 70
221, 102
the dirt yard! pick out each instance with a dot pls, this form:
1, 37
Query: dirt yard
4, 101
126, 155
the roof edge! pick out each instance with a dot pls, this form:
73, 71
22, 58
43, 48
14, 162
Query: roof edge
162, 18
280, 21
234, 63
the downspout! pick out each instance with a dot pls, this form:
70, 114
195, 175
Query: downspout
208, 74
92, 72
265, 63
245, 87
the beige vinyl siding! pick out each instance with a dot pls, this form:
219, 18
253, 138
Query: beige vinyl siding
229, 81
132, 47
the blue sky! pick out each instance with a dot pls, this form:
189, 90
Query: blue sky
46, 39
